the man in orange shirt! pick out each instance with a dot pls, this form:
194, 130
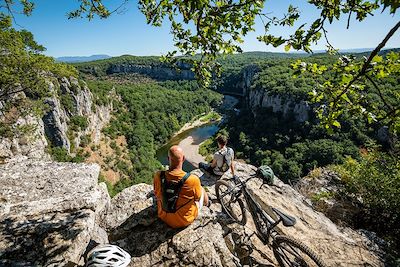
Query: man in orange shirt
191, 197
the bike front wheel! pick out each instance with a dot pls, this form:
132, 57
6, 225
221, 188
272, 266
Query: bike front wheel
232, 205
293, 253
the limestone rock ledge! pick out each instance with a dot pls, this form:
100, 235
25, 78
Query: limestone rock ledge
51, 214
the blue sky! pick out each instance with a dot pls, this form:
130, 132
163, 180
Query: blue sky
128, 33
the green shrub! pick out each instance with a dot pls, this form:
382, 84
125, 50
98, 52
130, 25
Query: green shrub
67, 101
5, 130
59, 154
85, 140
110, 186
78, 123
375, 180
113, 144
208, 147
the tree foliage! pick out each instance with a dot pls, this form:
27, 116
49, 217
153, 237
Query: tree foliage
375, 182
213, 27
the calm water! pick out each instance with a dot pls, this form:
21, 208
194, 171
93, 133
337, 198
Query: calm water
199, 135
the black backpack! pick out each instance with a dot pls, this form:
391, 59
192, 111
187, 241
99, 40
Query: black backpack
170, 192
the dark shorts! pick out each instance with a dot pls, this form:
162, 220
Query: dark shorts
207, 167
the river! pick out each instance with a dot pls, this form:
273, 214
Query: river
188, 140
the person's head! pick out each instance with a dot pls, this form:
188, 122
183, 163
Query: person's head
176, 157
222, 140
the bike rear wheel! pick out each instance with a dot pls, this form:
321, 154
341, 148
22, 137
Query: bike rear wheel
293, 253
231, 204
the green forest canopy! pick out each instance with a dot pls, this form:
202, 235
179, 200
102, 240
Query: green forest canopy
221, 25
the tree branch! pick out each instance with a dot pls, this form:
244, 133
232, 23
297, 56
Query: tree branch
379, 92
348, 20
368, 61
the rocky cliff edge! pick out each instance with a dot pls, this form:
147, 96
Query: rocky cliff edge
51, 214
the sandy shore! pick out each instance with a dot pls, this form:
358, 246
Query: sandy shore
191, 125
191, 151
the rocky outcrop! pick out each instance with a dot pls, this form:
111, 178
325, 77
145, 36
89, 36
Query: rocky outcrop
156, 71
57, 119
132, 224
323, 188
69, 98
31, 144
51, 214
56, 123
261, 98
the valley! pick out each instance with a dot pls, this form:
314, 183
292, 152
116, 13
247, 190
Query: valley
124, 113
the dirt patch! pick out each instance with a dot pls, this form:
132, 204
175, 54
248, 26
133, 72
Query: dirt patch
107, 154
111, 176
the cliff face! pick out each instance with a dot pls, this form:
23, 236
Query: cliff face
158, 72
32, 145
57, 120
262, 98
69, 99
52, 213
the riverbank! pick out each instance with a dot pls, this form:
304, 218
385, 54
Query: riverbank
194, 133
191, 150
203, 120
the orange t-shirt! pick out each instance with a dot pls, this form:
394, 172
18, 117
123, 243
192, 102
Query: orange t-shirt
187, 210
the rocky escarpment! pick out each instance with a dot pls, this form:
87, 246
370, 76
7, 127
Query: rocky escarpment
70, 101
156, 70
52, 213
49, 212
262, 97
323, 187
73, 99
32, 145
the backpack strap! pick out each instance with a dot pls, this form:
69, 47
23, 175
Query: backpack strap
163, 188
181, 182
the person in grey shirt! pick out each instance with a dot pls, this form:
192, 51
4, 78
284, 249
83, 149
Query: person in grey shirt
222, 160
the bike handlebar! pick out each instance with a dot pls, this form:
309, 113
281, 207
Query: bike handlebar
237, 179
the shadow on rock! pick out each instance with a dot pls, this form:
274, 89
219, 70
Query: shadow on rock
42, 240
142, 233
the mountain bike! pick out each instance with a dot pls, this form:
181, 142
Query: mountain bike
287, 250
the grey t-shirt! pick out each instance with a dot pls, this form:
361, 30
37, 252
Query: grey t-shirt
219, 157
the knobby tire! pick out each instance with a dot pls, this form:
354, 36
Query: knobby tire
285, 246
228, 194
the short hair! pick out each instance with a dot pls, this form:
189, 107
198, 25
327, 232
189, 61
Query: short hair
222, 139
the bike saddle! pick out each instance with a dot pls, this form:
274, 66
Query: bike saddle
287, 220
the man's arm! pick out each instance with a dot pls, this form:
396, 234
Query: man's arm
197, 188
156, 185
214, 163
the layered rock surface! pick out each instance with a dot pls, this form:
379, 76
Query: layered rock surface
51, 214
33, 134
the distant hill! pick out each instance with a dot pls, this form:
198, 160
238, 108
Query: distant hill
82, 58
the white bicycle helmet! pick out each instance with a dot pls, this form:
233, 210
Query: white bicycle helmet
108, 256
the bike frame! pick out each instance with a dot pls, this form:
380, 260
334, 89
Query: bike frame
256, 211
